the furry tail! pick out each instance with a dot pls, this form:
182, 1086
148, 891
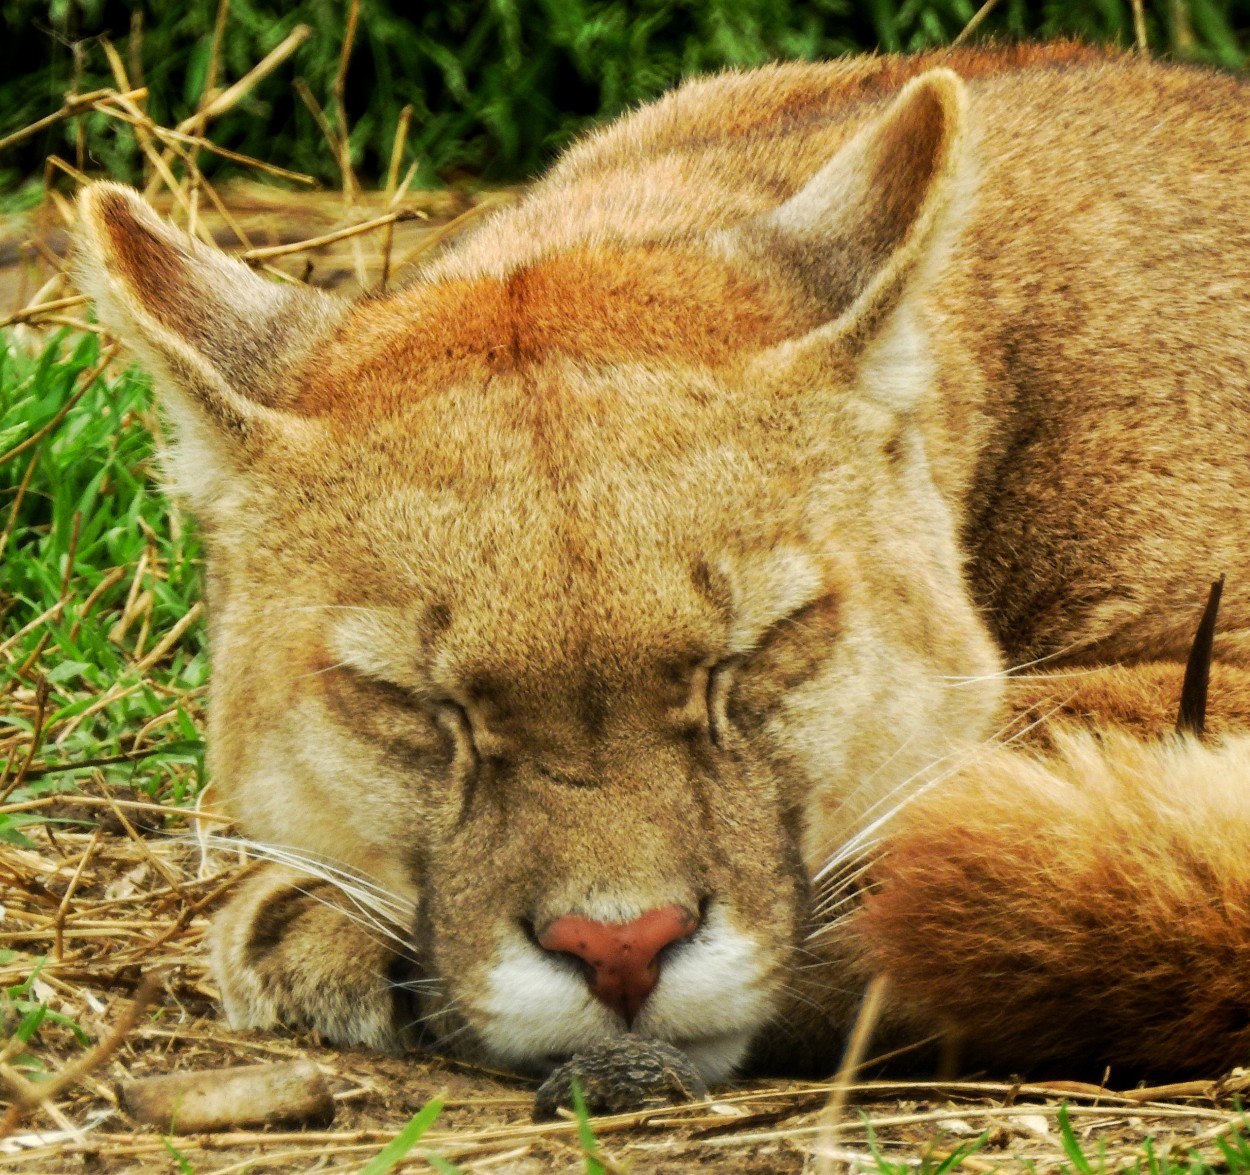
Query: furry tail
1090, 907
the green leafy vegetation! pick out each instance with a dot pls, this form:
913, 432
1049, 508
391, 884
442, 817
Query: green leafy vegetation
1227, 1154
496, 86
22, 1015
181, 1161
585, 1132
1233, 1149
102, 660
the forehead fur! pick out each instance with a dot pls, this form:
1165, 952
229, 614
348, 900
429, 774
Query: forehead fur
535, 514
497, 519
596, 304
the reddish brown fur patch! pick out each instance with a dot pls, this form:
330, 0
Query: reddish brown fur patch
597, 305
1087, 909
986, 60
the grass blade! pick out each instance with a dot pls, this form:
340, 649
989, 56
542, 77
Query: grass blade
399, 1146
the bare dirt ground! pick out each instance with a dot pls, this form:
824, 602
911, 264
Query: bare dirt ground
94, 912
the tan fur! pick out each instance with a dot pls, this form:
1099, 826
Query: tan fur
672, 528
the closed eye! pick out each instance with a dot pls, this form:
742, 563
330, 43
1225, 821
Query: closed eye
820, 614
788, 653
720, 680
453, 718
399, 696
411, 724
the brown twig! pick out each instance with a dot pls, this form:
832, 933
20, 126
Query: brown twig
270, 251
214, 63
351, 187
79, 324
183, 920
22, 487
62, 911
856, 1049
234, 94
435, 238
70, 552
975, 23
310, 102
120, 77
134, 46
1139, 28
97, 802
145, 850
171, 638
33, 656
169, 136
42, 690
73, 105
1183, 40
393, 190
37, 309
113, 577
224, 212
55, 161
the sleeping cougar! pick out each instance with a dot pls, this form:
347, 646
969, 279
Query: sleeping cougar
610, 625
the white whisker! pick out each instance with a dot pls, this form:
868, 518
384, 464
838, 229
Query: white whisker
319, 672
366, 894
1013, 670
854, 857
963, 757
363, 918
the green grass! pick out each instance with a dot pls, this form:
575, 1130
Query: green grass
585, 1132
87, 538
1233, 1151
395, 1151
21, 1018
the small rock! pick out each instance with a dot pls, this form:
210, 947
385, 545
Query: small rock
620, 1076
1037, 1125
959, 1126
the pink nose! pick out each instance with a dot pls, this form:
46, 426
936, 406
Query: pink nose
623, 958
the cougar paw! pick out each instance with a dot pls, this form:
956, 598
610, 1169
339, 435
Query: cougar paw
286, 951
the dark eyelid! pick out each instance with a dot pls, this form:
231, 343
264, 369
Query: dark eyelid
717, 690
828, 604
387, 691
393, 693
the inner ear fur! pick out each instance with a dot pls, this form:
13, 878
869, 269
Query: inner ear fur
220, 340
851, 234
208, 326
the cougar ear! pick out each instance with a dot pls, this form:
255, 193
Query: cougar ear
862, 221
219, 339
